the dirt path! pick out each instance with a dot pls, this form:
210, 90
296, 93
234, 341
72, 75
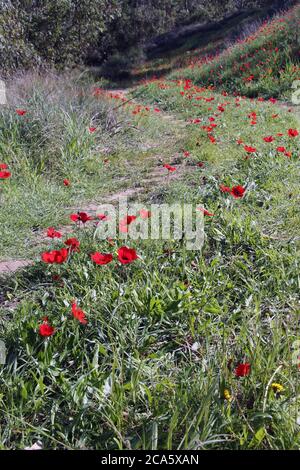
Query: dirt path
155, 178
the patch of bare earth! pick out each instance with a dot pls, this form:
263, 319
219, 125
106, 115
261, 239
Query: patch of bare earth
10, 266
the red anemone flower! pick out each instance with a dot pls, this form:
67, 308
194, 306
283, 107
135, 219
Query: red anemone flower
92, 129
169, 167
21, 112
52, 233
293, 132
101, 258
128, 219
73, 244
205, 211
102, 217
249, 149
66, 182
145, 214
237, 192
79, 314
224, 189
45, 329
55, 256
81, 217
270, 138
243, 369
126, 255
124, 223
4, 175
3, 166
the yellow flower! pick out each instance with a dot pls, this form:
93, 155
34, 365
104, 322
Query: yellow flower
227, 394
277, 388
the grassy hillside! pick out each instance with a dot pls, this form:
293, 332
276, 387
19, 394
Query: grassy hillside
178, 349
265, 63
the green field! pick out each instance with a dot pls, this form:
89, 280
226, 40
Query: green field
179, 349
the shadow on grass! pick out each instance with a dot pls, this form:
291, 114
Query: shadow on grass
178, 48
16, 284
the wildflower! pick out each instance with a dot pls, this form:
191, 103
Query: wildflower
252, 116
243, 369
124, 223
145, 214
270, 138
52, 233
66, 182
73, 244
237, 191
224, 189
212, 139
205, 211
249, 149
128, 220
102, 217
78, 314
293, 132
55, 256
21, 112
92, 129
277, 388
126, 255
281, 149
3, 166
80, 217
101, 258
227, 394
169, 167
45, 329
4, 175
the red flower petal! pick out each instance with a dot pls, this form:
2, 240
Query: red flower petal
101, 258
127, 255
242, 370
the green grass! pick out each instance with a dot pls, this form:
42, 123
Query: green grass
52, 142
164, 334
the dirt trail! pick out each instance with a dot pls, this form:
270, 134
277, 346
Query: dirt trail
154, 179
